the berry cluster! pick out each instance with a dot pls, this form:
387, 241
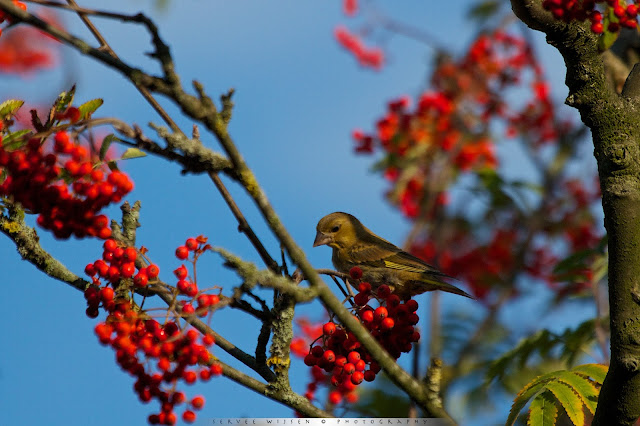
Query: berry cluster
26, 49
366, 56
340, 359
64, 187
484, 263
138, 341
624, 15
141, 342
450, 124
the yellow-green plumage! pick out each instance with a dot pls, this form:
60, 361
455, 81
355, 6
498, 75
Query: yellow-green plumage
381, 262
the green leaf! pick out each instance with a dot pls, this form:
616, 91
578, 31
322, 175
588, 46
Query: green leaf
571, 402
10, 107
543, 410
583, 387
106, 143
60, 105
596, 371
530, 390
113, 166
574, 261
484, 10
15, 139
64, 100
133, 153
607, 38
89, 107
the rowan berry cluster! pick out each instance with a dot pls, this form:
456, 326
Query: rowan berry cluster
64, 186
450, 124
623, 15
486, 263
339, 358
25, 49
160, 356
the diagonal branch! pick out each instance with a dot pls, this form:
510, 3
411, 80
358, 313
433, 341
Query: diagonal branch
203, 110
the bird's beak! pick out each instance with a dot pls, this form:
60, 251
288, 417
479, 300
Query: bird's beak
321, 239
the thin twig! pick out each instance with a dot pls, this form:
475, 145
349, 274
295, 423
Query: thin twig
243, 225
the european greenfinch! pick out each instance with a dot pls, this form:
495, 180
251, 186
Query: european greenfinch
380, 261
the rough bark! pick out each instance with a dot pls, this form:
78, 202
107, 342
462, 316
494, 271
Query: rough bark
614, 122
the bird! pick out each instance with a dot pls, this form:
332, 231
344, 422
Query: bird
381, 262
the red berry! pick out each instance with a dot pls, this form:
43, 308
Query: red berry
361, 299
73, 114
191, 243
181, 272
335, 397
128, 269
349, 368
387, 323
317, 351
329, 356
205, 375
216, 369
393, 301
141, 279
189, 416
92, 312
190, 376
106, 294
361, 365
329, 328
182, 252
369, 376
411, 305
110, 245
153, 271
208, 340
197, 402
367, 316
357, 377
310, 360
353, 357
130, 254
380, 313
90, 270
383, 291
355, 272
364, 287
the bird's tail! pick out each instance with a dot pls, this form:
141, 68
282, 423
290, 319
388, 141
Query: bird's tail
432, 283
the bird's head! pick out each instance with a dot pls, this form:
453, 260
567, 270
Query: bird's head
337, 230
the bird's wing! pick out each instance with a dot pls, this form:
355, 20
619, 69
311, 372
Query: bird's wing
406, 262
377, 252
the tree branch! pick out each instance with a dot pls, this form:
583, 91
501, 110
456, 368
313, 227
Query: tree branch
616, 137
202, 110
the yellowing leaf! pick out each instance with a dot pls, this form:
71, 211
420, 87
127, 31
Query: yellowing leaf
531, 389
133, 153
569, 400
596, 371
583, 387
543, 410
10, 107
89, 107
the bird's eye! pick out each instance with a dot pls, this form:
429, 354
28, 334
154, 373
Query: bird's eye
335, 229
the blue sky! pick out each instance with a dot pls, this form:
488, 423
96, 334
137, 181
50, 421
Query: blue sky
298, 97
